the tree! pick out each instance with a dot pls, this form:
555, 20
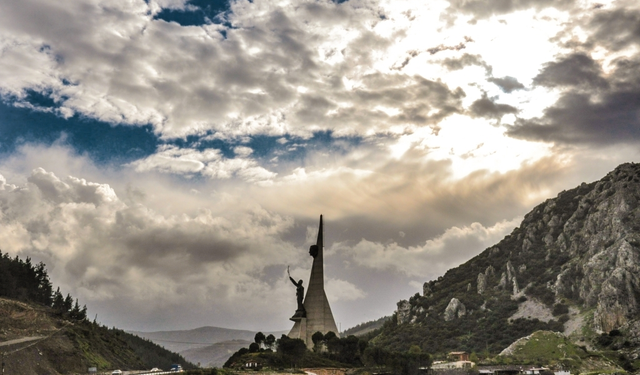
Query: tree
254, 347
58, 302
473, 357
270, 341
291, 350
259, 339
68, 303
375, 355
75, 311
317, 339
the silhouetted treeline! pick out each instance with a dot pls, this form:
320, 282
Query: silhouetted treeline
24, 281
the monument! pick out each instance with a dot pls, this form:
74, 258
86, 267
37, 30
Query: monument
314, 314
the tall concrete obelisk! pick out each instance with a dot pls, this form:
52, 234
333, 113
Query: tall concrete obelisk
318, 312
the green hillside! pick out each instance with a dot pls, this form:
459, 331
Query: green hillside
44, 332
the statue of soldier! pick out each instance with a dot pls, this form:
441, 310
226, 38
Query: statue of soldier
300, 312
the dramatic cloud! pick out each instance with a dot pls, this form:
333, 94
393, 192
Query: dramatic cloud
166, 154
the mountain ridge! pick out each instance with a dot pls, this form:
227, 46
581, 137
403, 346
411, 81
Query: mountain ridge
578, 254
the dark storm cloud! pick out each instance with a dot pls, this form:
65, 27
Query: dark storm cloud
507, 84
487, 108
594, 108
615, 29
577, 119
574, 70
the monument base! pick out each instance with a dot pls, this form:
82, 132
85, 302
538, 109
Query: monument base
299, 330
300, 313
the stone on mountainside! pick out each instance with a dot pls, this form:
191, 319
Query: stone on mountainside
404, 311
426, 289
482, 283
455, 309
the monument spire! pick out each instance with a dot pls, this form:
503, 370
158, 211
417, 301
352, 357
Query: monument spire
318, 312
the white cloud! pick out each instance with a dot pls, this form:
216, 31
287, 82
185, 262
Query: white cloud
453, 247
341, 290
208, 162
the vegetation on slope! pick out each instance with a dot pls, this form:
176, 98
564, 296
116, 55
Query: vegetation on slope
364, 328
69, 343
576, 252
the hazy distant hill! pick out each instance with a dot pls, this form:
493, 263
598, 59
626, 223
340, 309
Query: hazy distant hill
214, 355
193, 344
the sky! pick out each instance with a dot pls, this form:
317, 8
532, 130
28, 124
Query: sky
169, 159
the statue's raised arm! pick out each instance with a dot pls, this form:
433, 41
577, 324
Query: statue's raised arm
300, 311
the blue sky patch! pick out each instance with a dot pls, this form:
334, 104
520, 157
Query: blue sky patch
103, 142
200, 12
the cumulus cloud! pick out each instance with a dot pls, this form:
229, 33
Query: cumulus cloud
277, 73
207, 162
341, 290
108, 251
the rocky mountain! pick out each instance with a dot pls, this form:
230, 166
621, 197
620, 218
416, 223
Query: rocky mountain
571, 266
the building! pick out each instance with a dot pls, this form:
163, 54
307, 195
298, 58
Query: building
460, 356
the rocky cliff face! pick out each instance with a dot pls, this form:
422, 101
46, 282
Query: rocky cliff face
598, 234
580, 249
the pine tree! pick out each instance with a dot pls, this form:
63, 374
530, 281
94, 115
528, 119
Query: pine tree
58, 302
68, 303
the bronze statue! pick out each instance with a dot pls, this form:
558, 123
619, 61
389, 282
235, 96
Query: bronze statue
300, 312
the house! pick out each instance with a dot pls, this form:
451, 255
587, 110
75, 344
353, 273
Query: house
252, 365
460, 356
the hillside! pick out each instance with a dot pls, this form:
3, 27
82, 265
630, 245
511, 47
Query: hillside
214, 355
571, 266
55, 345
36, 341
364, 328
41, 331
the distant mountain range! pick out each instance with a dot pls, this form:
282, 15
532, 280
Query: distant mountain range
209, 346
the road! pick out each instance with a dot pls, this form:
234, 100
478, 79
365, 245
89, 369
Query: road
18, 341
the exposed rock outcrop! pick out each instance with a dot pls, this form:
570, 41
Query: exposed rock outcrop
482, 283
426, 289
404, 311
455, 309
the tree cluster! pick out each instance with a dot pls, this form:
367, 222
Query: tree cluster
398, 363
24, 281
